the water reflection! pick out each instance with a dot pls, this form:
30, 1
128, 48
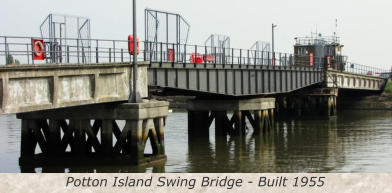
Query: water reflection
156, 168
356, 141
293, 146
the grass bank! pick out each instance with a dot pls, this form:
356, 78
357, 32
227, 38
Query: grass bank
388, 88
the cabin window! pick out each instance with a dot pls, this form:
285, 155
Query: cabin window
329, 51
303, 51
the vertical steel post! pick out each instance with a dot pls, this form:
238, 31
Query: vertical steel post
179, 36
232, 56
177, 40
255, 57
83, 59
145, 27
273, 44
32, 52
195, 56
205, 55
214, 55
114, 51
184, 53
240, 56
161, 52
122, 55
110, 55
167, 28
268, 59
248, 58
96, 55
285, 59
28, 55
280, 59
144, 51
135, 96
174, 53
96, 52
77, 46
5, 49
67, 54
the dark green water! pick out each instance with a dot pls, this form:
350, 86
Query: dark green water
356, 141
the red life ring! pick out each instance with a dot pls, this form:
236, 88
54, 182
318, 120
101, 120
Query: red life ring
38, 48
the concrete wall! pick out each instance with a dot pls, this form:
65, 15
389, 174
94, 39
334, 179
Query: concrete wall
29, 88
347, 80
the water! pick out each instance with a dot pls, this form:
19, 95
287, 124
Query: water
356, 141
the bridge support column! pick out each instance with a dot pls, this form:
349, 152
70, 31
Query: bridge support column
94, 134
259, 112
198, 122
316, 102
322, 102
329, 105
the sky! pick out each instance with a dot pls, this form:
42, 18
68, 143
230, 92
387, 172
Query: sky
364, 26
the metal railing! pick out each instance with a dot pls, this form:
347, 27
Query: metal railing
65, 51
85, 51
365, 70
184, 53
89, 51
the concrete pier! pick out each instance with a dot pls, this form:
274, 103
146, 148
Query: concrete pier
202, 113
92, 134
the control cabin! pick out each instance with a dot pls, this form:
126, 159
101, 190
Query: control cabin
319, 51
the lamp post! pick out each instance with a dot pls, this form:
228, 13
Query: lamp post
135, 95
273, 46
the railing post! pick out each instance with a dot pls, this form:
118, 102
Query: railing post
144, 51
232, 56
248, 58
77, 48
110, 55
280, 59
28, 55
67, 54
194, 55
240, 56
122, 55
150, 50
61, 54
184, 53
5, 49
268, 59
114, 51
175, 53
214, 55
255, 59
46, 53
96, 55
161, 54
205, 55
83, 59
285, 59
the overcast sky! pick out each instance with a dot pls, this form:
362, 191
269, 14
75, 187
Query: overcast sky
363, 25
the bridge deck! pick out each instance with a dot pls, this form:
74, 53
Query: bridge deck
233, 80
353, 81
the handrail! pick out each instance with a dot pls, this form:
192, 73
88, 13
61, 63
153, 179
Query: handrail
109, 50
